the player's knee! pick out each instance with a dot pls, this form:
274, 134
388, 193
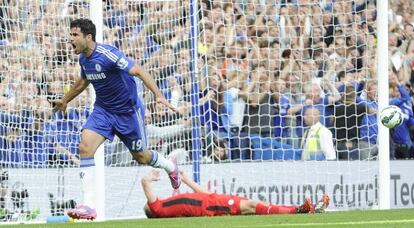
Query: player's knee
85, 150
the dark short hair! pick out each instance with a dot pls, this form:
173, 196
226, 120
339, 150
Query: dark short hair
148, 212
86, 26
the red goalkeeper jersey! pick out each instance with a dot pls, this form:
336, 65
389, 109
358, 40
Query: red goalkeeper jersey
196, 204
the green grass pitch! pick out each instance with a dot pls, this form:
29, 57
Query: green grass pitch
356, 218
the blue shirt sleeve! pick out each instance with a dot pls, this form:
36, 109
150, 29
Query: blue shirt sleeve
341, 88
396, 101
404, 93
122, 62
405, 97
358, 100
284, 105
410, 121
325, 100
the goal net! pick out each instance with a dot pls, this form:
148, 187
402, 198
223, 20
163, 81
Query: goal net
260, 76
270, 71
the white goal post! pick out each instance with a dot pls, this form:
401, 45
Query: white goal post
383, 100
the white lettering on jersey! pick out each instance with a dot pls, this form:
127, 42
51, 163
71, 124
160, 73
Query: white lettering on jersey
95, 76
122, 63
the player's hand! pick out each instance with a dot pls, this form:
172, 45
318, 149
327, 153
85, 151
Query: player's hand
154, 175
162, 100
58, 105
211, 95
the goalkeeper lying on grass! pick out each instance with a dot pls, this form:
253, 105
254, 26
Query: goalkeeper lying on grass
203, 203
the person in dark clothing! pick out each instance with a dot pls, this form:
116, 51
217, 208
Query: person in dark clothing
348, 116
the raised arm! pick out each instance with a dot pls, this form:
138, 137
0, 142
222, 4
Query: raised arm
151, 85
404, 93
190, 183
336, 96
80, 85
147, 187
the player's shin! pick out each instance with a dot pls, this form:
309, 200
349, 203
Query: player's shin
169, 165
262, 209
159, 161
87, 176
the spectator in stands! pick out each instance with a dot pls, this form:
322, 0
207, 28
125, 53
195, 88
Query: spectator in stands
211, 101
177, 96
259, 110
401, 146
317, 143
217, 149
214, 113
234, 104
369, 128
258, 121
37, 140
281, 105
10, 145
166, 139
347, 121
167, 131
313, 98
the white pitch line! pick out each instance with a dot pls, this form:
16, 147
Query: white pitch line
333, 223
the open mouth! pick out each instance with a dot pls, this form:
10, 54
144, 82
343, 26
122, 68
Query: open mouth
73, 46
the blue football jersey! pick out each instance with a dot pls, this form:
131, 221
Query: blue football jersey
108, 71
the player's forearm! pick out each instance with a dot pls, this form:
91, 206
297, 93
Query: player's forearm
147, 79
148, 191
293, 110
335, 93
79, 86
193, 185
196, 187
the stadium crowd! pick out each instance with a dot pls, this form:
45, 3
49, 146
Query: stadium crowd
277, 79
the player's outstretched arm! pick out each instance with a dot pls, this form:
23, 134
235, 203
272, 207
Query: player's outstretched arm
146, 185
190, 183
151, 85
61, 104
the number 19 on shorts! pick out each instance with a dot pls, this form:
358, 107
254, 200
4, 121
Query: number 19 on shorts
137, 145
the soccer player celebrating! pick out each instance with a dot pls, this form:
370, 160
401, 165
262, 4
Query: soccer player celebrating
203, 203
117, 109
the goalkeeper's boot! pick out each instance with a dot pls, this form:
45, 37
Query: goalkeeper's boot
175, 174
82, 212
322, 205
306, 207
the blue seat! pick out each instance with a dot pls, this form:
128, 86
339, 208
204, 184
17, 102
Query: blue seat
271, 149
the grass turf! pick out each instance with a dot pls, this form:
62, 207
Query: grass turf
356, 218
